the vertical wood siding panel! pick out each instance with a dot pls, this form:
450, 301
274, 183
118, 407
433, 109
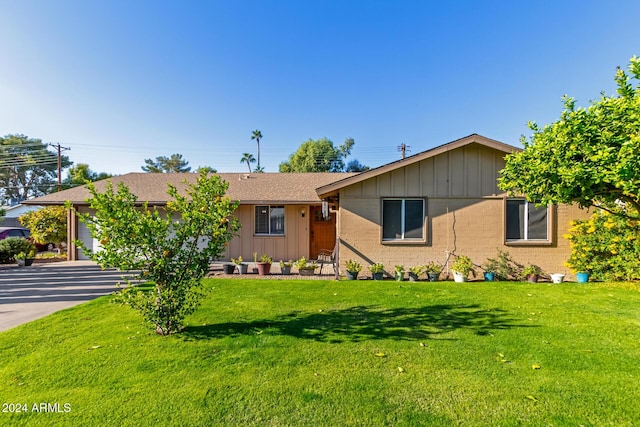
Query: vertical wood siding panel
441, 171
413, 180
398, 183
473, 181
457, 173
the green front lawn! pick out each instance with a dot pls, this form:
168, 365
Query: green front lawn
326, 353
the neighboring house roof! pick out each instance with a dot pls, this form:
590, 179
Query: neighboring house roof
254, 188
332, 187
18, 210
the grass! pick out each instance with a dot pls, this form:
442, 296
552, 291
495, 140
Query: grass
326, 353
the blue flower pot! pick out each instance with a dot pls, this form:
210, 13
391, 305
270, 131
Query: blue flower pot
582, 277
489, 276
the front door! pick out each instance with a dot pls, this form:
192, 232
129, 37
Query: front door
323, 232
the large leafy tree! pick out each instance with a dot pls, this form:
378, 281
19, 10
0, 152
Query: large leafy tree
81, 174
318, 156
590, 156
47, 225
175, 163
171, 256
27, 168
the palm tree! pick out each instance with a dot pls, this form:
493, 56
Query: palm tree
257, 135
248, 158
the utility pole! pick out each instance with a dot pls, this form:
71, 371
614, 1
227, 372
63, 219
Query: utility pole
60, 163
404, 148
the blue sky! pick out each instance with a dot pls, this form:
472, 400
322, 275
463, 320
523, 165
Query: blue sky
121, 81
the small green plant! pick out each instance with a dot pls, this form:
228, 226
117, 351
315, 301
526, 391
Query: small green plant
502, 266
416, 269
286, 263
302, 264
266, 259
353, 266
376, 268
462, 265
531, 270
255, 257
21, 255
399, 269
432, 267
237, 261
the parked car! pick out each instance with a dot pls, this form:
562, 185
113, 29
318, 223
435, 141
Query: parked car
14, 232
21, 232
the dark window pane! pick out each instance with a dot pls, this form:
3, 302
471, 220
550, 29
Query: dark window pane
537, 226
262, 219
277, 219
515, 216
413, 219
392, 219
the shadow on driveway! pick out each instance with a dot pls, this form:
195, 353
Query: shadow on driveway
30, 293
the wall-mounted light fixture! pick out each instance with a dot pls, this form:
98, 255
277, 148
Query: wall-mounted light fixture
302, 212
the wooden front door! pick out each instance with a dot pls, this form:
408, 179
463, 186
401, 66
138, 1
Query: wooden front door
323, 231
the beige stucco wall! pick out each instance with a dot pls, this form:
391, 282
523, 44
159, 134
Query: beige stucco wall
465, 215
293, 245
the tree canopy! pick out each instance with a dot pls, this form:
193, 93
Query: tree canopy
27, 168
81, 174
590, 156
175, 163
47, 225
318, 156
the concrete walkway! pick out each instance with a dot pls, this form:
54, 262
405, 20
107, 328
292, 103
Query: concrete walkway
29, 293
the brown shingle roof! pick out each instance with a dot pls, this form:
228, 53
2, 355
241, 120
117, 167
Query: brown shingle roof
255, 188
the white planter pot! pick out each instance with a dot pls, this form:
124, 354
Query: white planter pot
557, 278
459, 277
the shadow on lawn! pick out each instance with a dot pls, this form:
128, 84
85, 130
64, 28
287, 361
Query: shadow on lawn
367, 323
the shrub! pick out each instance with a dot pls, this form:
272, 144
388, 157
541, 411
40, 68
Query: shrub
607, 246
12, 246
502, 266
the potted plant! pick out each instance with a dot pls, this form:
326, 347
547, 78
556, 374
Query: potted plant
490, 268
433, 270
415, 272
531, 273
557, 277
582, 276
461, 268
285, 267
399, 273
255, 263
353, 268
242, 267
264, 266
228, 268
377, 270
25, 259
305, 268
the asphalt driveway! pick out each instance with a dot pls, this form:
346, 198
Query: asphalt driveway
29, 293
